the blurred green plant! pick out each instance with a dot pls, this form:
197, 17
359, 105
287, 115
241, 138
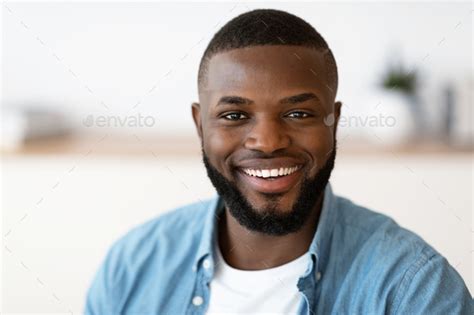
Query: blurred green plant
399, 78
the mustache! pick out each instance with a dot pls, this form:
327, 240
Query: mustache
262, 155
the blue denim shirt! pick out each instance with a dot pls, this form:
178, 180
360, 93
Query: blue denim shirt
361, 262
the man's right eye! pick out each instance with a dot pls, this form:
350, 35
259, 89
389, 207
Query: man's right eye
234, 116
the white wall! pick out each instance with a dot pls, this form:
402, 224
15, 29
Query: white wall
122, 51
78, 56
77, 206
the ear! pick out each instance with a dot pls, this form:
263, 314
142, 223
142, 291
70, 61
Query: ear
337, 114
196, 112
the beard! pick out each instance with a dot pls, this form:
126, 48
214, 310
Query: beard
272, 220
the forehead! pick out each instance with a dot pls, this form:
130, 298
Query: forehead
266, 71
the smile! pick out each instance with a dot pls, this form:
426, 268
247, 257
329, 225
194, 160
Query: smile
276, 180
268, 173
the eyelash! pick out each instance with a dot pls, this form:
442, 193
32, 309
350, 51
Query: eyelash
233, 113
307, 115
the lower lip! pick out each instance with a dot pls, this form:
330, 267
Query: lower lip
276, 185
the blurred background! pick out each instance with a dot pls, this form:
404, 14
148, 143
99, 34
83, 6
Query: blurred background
97, 135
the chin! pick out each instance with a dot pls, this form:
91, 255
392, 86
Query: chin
277, 203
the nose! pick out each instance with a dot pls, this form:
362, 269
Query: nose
267, 135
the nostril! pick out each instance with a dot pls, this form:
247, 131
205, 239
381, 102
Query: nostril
267, 144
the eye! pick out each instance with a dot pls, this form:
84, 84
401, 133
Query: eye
298, 115
234, 116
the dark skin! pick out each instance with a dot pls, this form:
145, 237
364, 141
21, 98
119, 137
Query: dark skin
279, 103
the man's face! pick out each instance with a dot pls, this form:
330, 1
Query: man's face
268, 110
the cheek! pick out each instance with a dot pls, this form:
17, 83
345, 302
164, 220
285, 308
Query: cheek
219, 145
318, 143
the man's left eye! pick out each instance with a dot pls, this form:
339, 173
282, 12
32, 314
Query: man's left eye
234, 116
298, 115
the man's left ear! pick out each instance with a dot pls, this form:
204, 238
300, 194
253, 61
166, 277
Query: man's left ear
196, 113
337, 114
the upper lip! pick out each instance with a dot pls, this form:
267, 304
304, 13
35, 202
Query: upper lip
268, 164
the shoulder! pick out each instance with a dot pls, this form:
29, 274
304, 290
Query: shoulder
172, 233
156, 247
174, 221
172, 224
378, 231
393, 262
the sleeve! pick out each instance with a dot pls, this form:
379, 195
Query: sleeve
433, 286
100, 298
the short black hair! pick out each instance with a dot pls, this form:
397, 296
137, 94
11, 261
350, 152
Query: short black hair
268, 27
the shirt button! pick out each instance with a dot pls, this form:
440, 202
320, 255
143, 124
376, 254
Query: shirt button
206, 264
318, 276
197, 300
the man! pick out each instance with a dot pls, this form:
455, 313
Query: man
275, 239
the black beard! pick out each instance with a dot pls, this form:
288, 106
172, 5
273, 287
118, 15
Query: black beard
272, 221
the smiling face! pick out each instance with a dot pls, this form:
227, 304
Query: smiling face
263, 122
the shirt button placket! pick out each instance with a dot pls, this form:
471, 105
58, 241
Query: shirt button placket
318, 276
197, 300
206, 264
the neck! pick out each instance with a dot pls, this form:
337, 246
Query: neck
250, 250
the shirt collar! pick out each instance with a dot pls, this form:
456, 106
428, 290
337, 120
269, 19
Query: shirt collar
209, 233
327, 218
319, 246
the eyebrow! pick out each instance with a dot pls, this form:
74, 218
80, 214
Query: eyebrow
234, 100
300, 98
295, 99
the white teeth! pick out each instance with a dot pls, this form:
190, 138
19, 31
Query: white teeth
265, 173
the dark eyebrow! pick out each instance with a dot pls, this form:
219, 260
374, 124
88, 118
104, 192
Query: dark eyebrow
234, 100
295, 99
300, 98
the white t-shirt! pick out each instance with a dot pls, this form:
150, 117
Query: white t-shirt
268, 291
